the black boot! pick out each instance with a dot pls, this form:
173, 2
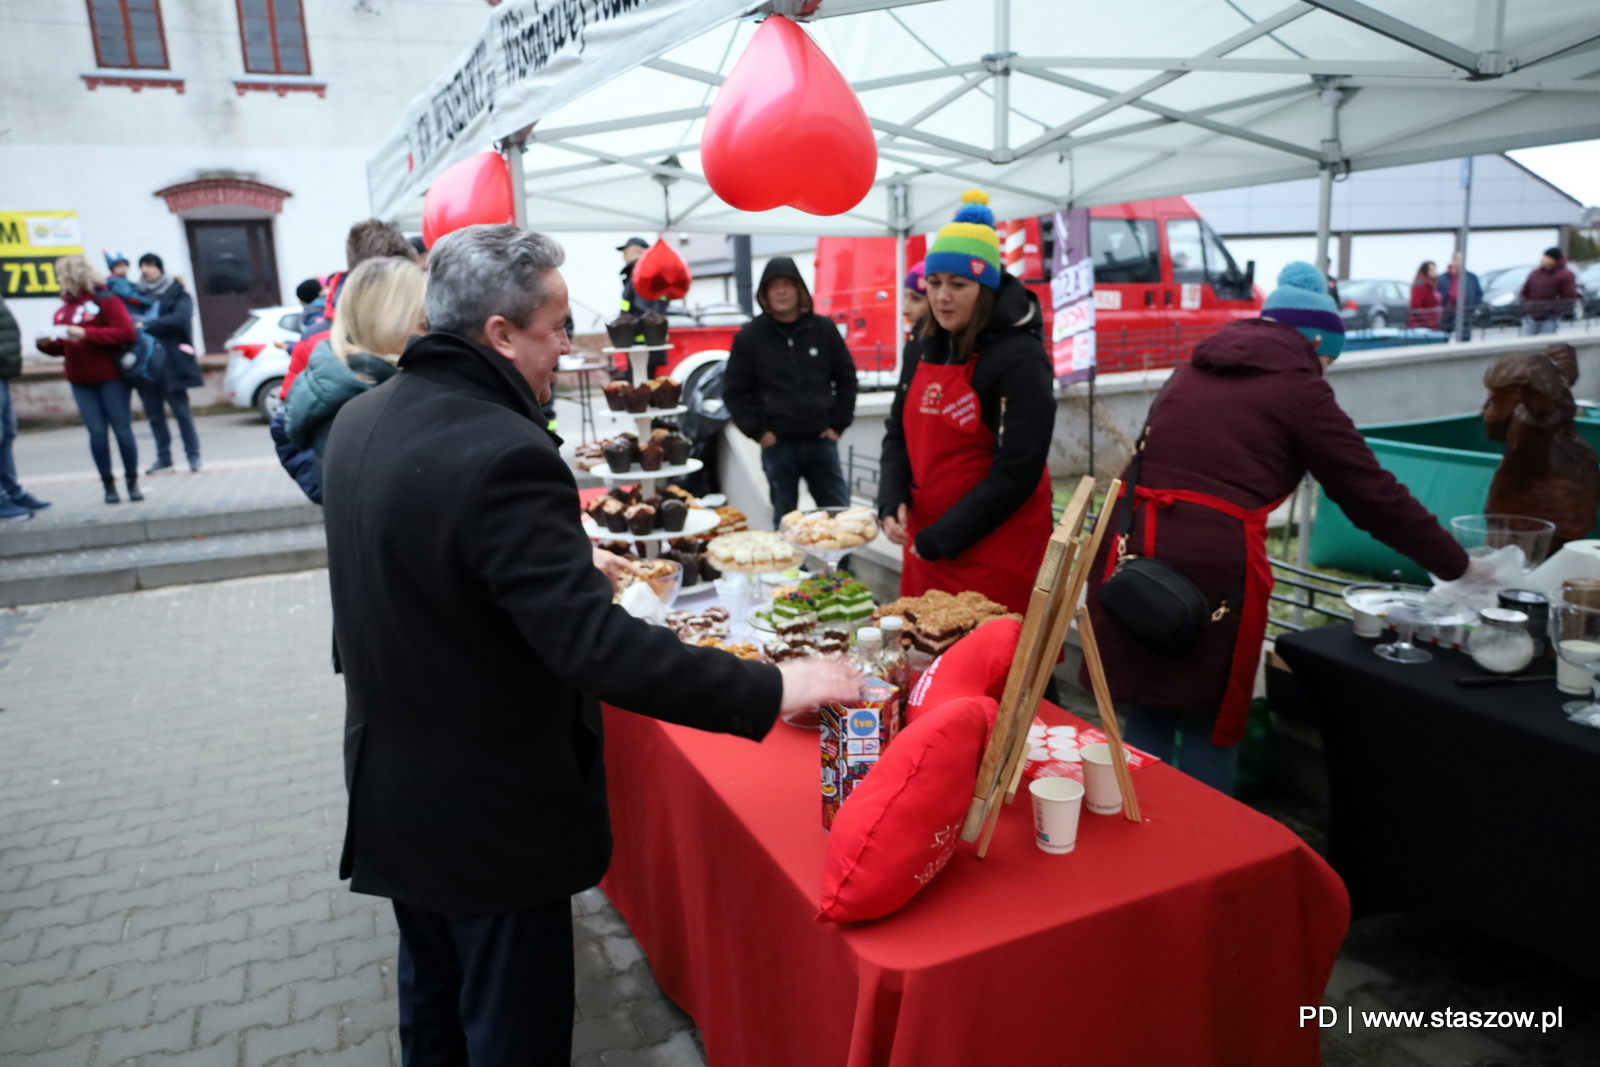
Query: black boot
111, 491
133, 490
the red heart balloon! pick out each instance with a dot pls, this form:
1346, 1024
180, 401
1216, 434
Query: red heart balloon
786, 128
661, 274
476, 190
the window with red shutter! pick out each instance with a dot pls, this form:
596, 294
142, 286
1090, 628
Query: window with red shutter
273, 33
128, 34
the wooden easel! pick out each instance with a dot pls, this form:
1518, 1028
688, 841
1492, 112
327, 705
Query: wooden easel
1052, 606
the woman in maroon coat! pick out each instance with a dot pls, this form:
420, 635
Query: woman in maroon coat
1425, 302
93, 330
1229, 437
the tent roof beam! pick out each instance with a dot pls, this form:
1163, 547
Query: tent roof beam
1420, 40
1219, 64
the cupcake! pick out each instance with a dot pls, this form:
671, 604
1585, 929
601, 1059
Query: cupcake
665, 393
690, 565
628, 494
673, 514
654, 326
622, 330
676, 449
638, 399
619, 456
617, 395
641, 519
615, 514
708, 573
659, 435
594, 511
650, 457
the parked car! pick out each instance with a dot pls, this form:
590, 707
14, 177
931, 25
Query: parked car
1374, 303
1589, 286
1502, 295
258, 356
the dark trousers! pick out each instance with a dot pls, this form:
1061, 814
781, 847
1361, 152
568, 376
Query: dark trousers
489, 990
102, 405
156, 397
1183, 740
786, 462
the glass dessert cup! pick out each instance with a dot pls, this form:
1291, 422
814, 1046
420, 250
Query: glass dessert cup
1575, 632
799, 529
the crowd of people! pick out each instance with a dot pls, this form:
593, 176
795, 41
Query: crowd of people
1548, 294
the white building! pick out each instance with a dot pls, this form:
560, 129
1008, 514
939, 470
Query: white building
230, 137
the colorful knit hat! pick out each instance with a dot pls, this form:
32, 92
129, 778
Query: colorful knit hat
917, 280
1301, 300
968, 245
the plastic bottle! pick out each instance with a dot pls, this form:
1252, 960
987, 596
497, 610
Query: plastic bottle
868, 655
896, 671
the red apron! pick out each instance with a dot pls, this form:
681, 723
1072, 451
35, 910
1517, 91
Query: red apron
951, 451
1258, 582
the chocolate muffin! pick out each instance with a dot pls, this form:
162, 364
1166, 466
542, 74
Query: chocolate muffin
650, 457
617, 395
654, 326
638, 399
622, 330
673, 514
664, 393
619, 456
641, 519
594, 511
675, 447
615, 514
690, 565
659, 435
707, 571
628, 494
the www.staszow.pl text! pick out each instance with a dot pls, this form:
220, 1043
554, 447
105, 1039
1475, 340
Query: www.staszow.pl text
1447, 1019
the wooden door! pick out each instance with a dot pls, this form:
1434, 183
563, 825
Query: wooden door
236, 269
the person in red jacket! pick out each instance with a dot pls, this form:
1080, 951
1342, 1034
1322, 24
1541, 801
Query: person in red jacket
1548, 294
92, 331
1229, 437
1425, 302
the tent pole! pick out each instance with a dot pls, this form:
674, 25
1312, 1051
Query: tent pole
1001, 68
900, 221
512, 148
1324, 216
1463, 319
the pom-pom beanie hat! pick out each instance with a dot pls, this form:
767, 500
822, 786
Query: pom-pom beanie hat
968, 245
1301, 300
917, 279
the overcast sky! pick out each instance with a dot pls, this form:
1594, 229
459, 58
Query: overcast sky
1574, 167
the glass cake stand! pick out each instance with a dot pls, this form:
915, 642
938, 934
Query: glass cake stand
801, 534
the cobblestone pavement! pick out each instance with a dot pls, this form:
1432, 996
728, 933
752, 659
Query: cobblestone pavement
171, 810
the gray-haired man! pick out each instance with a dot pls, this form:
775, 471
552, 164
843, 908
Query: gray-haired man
477, 638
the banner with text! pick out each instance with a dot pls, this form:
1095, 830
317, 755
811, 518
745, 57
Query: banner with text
533, 57
30, 244
1072, 297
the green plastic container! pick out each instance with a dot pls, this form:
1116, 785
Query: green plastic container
1446, 463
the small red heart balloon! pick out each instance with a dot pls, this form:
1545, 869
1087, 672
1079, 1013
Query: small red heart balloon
661, 274
476, 190
786, 128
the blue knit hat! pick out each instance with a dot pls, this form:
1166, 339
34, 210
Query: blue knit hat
967, 245
1301, 300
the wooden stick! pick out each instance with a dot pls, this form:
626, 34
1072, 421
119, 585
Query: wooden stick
1108, 716
983, 846
1042, 604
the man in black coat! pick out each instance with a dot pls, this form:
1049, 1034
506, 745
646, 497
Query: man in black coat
175, 370
478, 636
790, 385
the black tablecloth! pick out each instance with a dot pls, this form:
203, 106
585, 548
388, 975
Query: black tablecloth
1479, 805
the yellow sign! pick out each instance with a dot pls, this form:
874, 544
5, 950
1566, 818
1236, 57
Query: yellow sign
30, 244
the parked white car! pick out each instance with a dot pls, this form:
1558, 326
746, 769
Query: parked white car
258, 356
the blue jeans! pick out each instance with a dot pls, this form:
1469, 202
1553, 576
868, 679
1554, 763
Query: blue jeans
154, 395
9, 487
105, 404
786, 462
1532, 327
1183, 739
490, 990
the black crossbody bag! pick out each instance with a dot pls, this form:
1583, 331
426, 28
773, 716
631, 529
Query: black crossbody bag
1151, 599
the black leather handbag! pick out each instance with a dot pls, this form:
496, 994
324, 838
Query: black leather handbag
1151, 599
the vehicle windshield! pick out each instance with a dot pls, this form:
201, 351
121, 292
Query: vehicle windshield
1506, 281
1362, 292
1199, 256
1124, 251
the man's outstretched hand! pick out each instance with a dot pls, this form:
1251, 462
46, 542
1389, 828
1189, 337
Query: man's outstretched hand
614, 566
813, 681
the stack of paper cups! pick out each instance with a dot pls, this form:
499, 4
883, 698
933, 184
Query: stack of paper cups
1104, 796
1056, 803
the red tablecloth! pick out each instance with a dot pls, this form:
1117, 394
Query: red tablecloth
1191, 939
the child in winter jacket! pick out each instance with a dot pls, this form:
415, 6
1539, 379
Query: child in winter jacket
123, 286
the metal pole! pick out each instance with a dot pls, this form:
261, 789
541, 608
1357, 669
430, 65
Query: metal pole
512, 148
742, 277
1001, 82
1091, 421
1331, 155
1463, 320
900, 216
1302, 548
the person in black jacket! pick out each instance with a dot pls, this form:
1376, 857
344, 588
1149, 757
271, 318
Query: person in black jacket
963, 483
16, 503
178, 370
791, 385
477, 636
634, 304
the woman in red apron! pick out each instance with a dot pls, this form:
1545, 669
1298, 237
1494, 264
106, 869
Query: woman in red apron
963, 484
1230, 436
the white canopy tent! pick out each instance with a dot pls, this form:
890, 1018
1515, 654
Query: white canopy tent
1046, 104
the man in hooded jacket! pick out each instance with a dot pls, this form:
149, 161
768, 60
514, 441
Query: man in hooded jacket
790, 385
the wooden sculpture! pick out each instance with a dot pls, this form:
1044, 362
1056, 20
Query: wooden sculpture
1548, 471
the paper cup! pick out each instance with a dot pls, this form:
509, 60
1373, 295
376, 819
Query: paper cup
1104, 795
1573, 679
1056, 804
1366, 625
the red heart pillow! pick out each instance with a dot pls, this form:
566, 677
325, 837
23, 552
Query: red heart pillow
900, 826
661, 274
976, 665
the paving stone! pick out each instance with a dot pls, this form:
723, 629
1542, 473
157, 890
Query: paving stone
225, 1053
131, 1012
269, 974
657, 1018
122, 1046
374, 1052
271, 1009
92, 957
614, 1030
621, 952
151, 974
218, 990
318, 1034
311, 997
36, 998
1452, 1048
680, 1051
